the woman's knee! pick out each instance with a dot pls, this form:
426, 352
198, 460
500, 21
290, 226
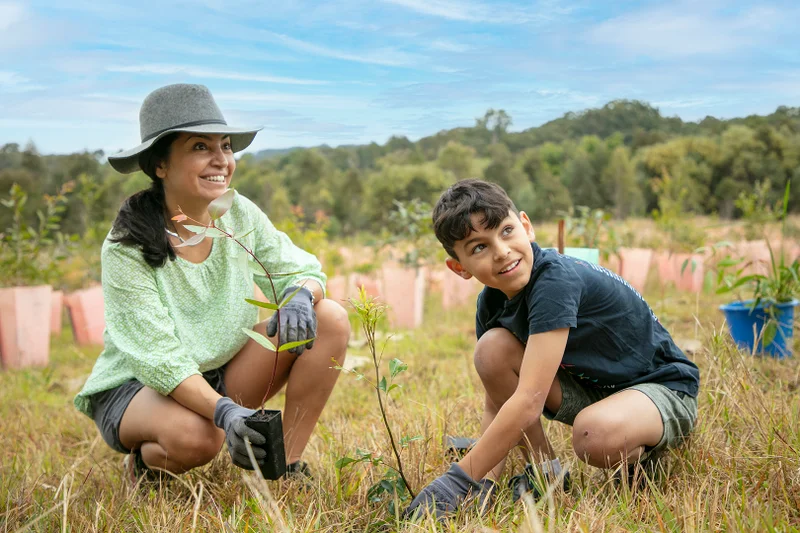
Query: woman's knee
333, 326
496, 352
192, 440
600, 440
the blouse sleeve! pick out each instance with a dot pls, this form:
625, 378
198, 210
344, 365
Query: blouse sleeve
280, 255
138, 321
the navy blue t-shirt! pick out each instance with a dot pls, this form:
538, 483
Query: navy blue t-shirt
615, 340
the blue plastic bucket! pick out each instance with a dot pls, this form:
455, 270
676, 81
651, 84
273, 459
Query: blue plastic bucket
746, 323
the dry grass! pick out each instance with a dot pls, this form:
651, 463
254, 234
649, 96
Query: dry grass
739, 472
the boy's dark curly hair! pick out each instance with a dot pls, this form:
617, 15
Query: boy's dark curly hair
451, 214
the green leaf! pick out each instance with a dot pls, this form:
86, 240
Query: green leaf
406, 440
344, 461
255, 268
242, 236
382, 384
728, 262
289, 298
215, 233
396, 366
295, 344
220, 206
196, 229
770, 329
263, 305
393, 387
191, 241
243, 259
284, 274
260, 339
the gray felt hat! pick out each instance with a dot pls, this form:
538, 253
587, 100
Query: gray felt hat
179, 107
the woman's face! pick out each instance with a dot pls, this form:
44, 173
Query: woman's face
199, 168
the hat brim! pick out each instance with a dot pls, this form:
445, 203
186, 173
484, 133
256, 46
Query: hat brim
127, 161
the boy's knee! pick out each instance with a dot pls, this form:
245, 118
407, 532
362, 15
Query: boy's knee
599, 441
494, 352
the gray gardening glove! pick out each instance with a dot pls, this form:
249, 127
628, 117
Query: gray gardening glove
298, 320
443, 495
484, 498
230, 417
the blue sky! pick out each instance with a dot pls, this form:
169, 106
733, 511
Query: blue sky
73, 73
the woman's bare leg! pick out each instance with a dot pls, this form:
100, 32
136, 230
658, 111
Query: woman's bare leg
169, 435
309, 378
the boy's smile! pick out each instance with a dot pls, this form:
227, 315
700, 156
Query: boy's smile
500, 257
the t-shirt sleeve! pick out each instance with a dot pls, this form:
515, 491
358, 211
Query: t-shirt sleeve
480, 316
280, 255
554, 299
138, 322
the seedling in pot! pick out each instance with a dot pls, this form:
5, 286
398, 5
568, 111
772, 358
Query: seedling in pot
265, 421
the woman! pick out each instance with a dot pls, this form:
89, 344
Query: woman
178, 375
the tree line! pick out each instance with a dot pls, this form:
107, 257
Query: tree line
625, 158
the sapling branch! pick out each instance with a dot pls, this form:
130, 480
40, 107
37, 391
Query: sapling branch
201, 229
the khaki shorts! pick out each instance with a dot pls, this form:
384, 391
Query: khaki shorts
678, 410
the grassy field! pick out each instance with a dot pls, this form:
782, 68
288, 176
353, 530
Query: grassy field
739, 472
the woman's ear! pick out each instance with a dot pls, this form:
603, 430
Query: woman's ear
457, 268
527, 225
161, 170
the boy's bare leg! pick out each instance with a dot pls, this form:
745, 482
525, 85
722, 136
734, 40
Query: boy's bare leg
498, 358
617, 429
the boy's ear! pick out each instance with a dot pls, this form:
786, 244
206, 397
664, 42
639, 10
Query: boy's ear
457, 268
527, 225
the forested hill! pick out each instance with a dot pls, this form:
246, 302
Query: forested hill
639, 123
624, 157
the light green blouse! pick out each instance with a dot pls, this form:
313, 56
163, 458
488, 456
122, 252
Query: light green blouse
166, 324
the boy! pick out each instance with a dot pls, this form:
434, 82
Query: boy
557, 337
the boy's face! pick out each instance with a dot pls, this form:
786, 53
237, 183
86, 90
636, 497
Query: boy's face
500, 258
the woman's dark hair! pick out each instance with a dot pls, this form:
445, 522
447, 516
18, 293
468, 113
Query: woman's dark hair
451, 214
141, 219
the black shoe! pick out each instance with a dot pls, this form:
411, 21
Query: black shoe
635, 475
300, 472
530, 481
136, 471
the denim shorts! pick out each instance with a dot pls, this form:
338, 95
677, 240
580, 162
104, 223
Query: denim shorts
678, 410
109, 406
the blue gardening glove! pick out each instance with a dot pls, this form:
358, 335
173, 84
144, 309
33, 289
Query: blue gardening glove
298, 320
443, 495
230, 417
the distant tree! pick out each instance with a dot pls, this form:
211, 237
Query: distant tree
456, 158
619, 182
497, 122
499, 170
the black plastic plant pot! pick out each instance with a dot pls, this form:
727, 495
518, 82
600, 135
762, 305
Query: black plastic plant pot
268, 423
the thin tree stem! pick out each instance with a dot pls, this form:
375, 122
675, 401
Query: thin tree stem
371, 340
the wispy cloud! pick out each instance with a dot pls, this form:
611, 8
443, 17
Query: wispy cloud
12, 82
390, 57
11, 13
195, 72
259, 99
473, 11
449, 46
19, 29
685, 29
